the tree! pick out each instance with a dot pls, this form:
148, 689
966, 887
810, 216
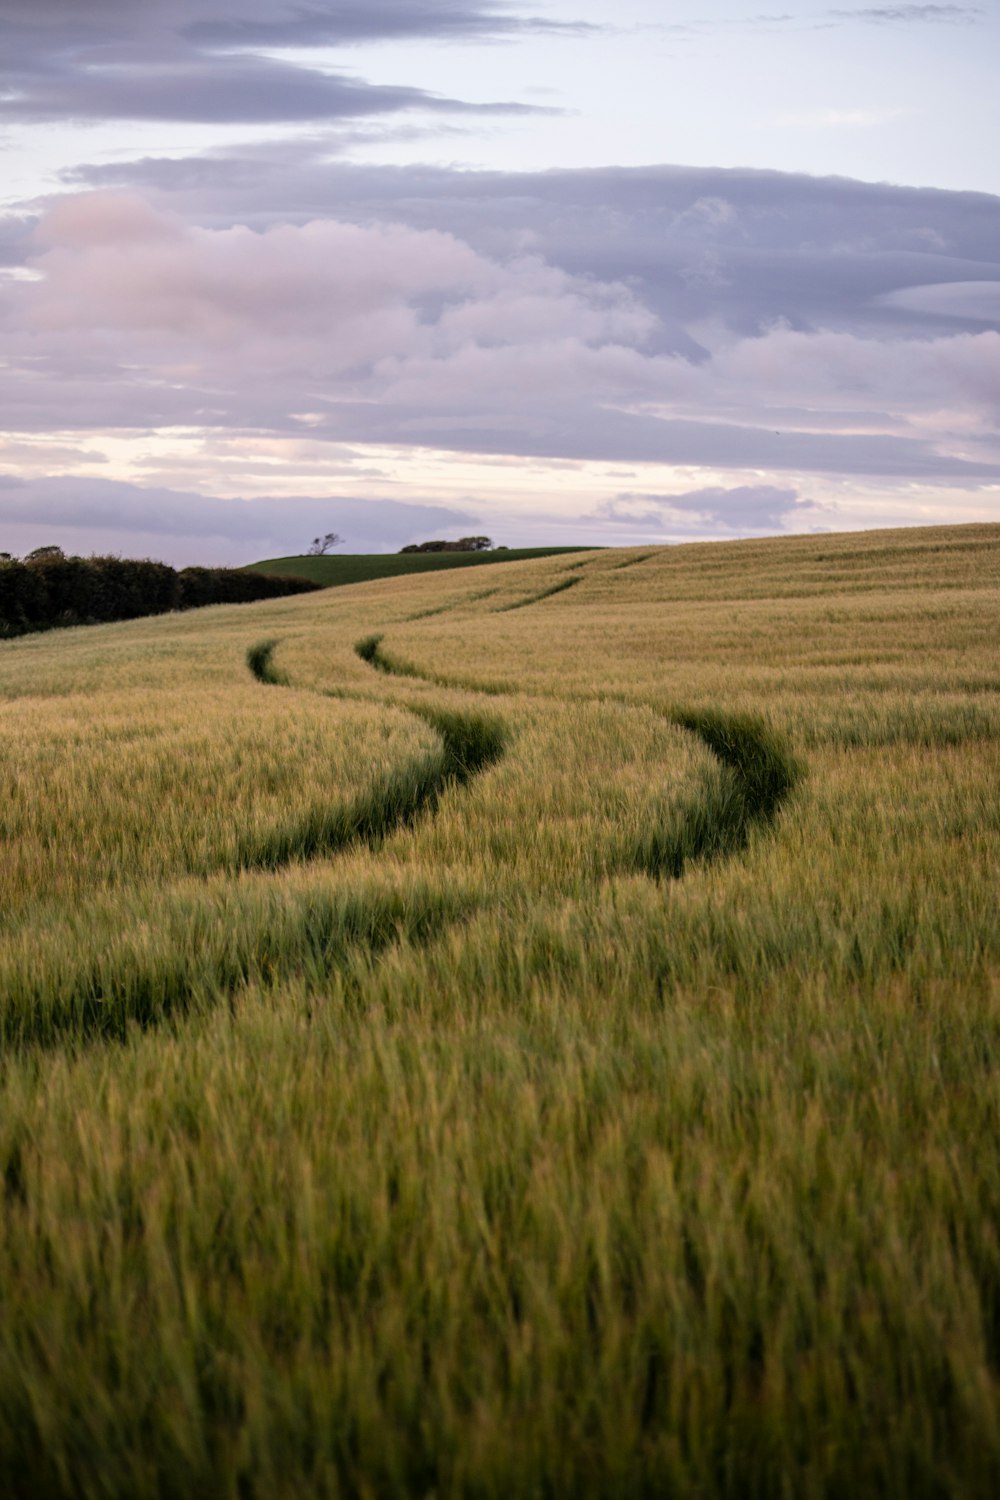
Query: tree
45, 554
322, 544
464, 544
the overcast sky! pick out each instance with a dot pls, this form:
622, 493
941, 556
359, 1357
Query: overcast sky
556, 271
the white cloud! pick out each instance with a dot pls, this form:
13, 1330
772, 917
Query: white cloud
973, 301
835, 119
891, 15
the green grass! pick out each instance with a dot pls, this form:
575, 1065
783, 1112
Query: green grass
460, 1050
364, 567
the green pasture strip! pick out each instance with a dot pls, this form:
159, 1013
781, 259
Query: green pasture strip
364, 567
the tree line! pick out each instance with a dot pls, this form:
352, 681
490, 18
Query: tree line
464, 544
49, 589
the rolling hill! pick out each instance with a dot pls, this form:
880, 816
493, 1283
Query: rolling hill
365, 567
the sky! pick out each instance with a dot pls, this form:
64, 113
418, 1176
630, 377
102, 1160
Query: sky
555, 272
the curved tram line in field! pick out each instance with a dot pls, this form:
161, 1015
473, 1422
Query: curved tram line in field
211, 943
758, 775
469, 744
547, 593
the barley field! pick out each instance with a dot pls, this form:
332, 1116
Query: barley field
527, 1030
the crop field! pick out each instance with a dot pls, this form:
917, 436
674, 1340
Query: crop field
516, 1031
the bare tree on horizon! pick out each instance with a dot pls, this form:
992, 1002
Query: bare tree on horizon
320, 545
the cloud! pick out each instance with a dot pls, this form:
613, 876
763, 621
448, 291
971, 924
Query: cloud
836, 119
676, 317
872, 15
279, 22
271, 25
740, 508
888, 15
238, 90
969, 301
97, 514
326, 299
212, 60
742, 247
763, 327
758, 507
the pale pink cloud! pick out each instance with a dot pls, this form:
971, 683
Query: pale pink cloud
323, 300
390, 333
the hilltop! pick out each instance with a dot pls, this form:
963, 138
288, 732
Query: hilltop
366, 567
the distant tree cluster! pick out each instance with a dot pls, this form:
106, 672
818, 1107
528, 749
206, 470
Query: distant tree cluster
49, 589
465, 544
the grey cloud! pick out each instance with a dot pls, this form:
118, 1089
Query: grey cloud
188, 526
885, 15
15, 240
622, 437
272, 22
738, 320
585, 432
618, 511
746, 248
757, 507
194, 61
871, 15
536, 315
238, 90
273, 25
739, 509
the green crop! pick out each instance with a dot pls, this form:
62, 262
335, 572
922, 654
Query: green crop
524, 1032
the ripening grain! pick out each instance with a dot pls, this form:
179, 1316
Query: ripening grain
563, 1062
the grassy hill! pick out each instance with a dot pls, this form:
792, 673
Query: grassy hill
364, 567
528, 1031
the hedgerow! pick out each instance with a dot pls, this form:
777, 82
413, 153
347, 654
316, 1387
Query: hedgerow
44, 592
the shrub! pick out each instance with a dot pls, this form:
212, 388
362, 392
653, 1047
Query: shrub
197, 586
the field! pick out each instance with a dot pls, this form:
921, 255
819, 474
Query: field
528, 1031
365, 567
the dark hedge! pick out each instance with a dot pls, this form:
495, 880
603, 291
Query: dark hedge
50, 591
